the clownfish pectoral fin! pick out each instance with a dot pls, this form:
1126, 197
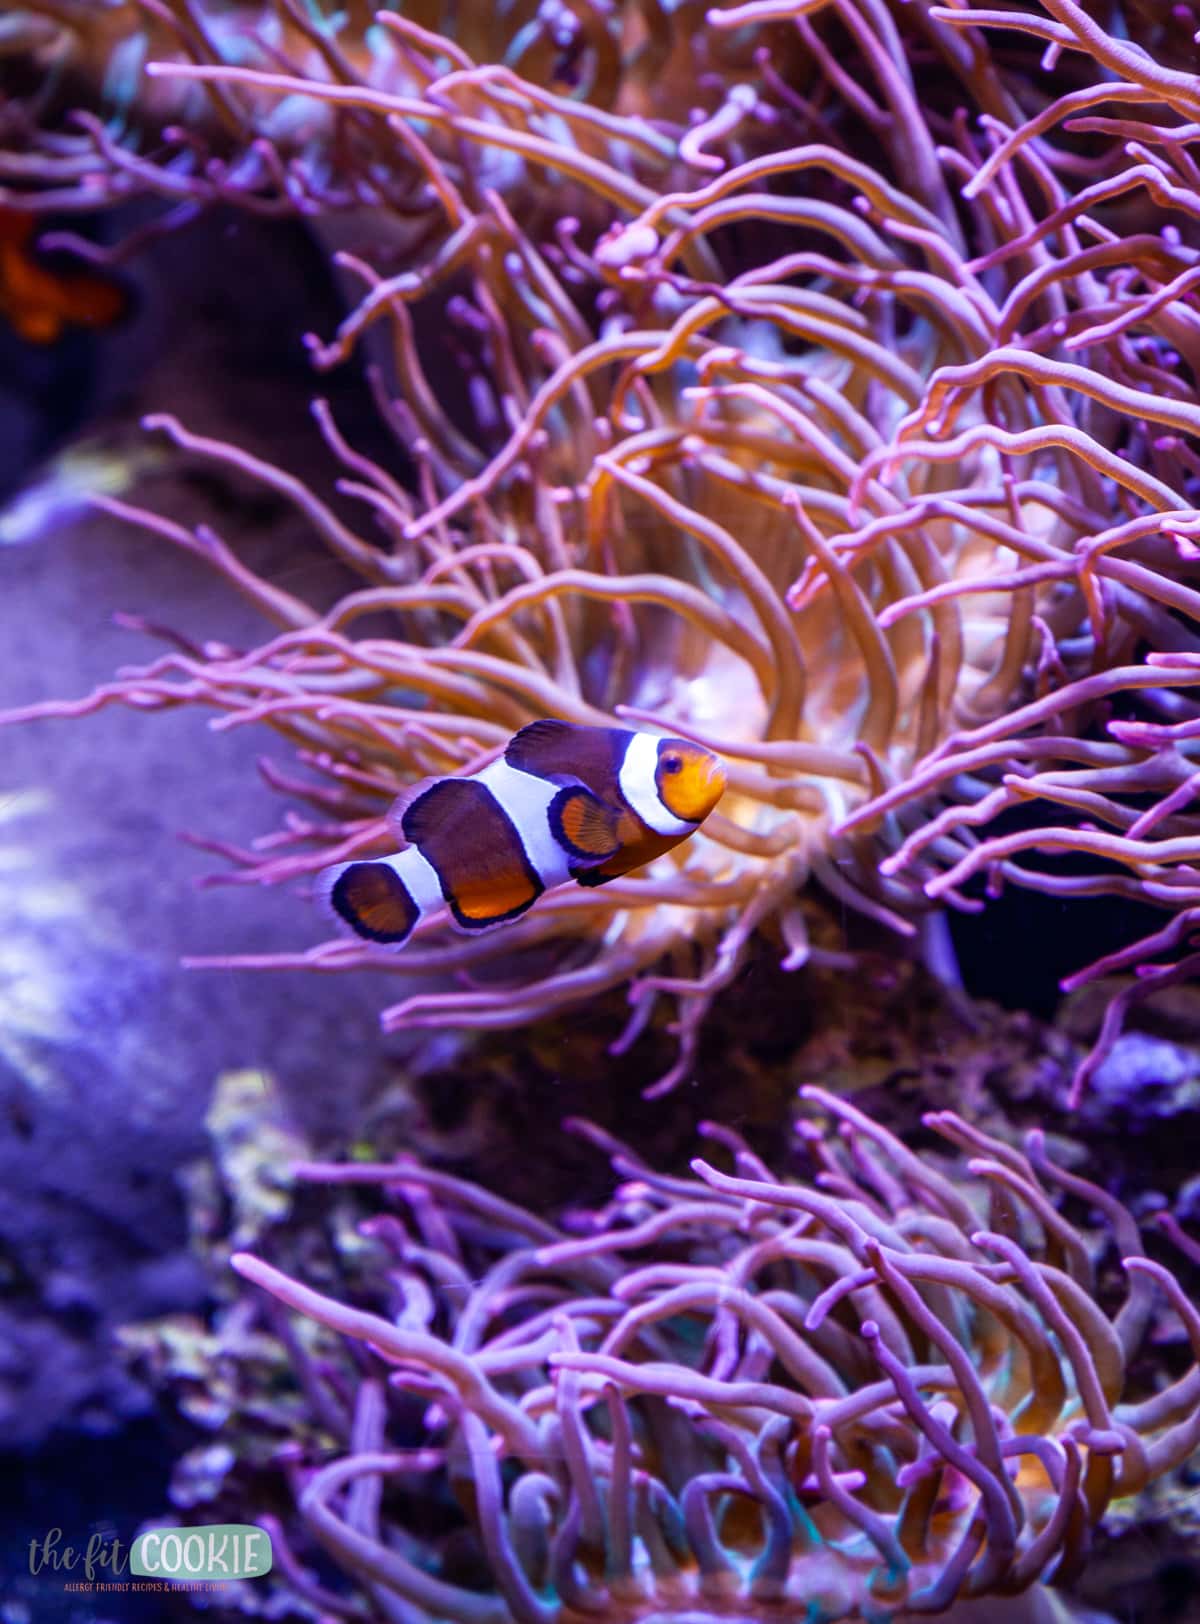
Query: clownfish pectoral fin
585, 828
592, 877
372, 899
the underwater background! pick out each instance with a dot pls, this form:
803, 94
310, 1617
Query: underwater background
806, 1224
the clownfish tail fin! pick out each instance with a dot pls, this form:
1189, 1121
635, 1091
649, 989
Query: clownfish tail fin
372, 899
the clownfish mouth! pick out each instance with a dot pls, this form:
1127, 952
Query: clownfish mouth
714, 783
706, 790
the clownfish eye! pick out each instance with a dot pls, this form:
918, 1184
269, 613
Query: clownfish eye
672, 763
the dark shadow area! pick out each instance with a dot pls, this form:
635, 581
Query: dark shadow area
83, 1485
1023, 943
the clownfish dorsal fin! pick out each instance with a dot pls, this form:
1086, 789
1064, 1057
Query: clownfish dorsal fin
409, 797
397, 811
584, 826
439, 807
546, 748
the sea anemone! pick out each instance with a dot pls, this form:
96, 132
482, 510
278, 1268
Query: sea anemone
901, 1383
647, 87
868, 463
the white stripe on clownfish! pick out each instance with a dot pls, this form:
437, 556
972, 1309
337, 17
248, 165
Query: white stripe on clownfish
527, 801
419, 875
639, 786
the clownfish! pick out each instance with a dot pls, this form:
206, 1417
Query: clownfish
563, 802
39, 302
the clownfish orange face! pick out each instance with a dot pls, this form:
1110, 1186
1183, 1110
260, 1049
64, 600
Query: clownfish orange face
689, 779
